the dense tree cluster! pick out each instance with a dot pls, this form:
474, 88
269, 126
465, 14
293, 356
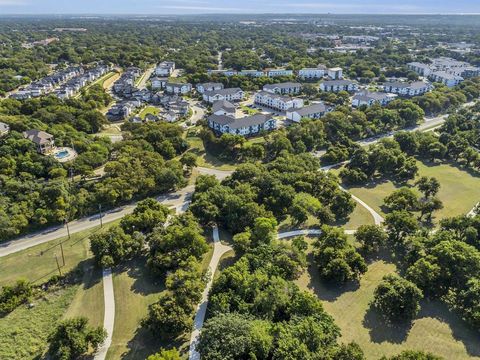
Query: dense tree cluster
289, 185
12, 296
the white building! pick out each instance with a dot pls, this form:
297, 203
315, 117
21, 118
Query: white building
312, 73
339, 85
335, 73
252, 73
314, 111
277, 102
177, 88
283, 88
446, 78
210, 86
369, 98
158, 82
278, 72
165, 68
230, 94
420, 68
246, 126
407, 89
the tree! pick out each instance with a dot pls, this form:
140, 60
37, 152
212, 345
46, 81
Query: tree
114, 246
148, 214
172, 354
304, 205
372, 237
73, 338
428, 206
428, 186
413, 355
189, 160
13, 296
397, 299
402, 199
234, 336
399, 225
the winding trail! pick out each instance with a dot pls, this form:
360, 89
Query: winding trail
218, 250
109, 317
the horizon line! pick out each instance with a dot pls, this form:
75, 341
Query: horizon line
239, 13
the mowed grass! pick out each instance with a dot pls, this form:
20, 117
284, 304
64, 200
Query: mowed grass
24, 332
459, 190
435, 329
206, 159
149, 110
135, 288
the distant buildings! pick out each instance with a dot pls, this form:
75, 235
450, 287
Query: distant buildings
210, 86
369, 98
407, 89
335, 73
177, 88
43, 141
277, 102
165, 68
246, 126
278, 72
313, 73
314, 111
445, 70
4, 129
229, 94
287, 88
339, 85
253, 73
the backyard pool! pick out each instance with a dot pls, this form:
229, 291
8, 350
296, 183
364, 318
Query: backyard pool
62, 154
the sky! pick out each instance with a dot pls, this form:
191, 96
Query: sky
159, 7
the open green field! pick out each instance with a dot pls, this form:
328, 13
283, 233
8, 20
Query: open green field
149, 110
435, 329
459, 190
206, 159
24, 332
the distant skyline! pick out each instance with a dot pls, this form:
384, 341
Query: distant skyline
171, 7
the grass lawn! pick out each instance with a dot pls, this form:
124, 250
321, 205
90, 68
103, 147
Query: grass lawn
435, 329
459, 189
37, 264
149, 110
24, 332
206, 159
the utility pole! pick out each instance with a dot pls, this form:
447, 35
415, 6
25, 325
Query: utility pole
101, 220
68, 229
58, 265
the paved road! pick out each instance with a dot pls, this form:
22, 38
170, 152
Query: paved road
218, 250
109, 316
142, 84
179, 200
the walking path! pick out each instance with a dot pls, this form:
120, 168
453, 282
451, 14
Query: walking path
471, 213
218, 251
109, 317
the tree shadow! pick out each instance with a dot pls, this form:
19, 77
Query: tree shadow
460, 330
380, 331
145, 343
145, 282
326, 291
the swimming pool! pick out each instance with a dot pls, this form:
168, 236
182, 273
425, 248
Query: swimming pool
62, 154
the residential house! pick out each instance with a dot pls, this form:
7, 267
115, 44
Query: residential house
159, 82
252, 73
313, 73
369, 98
229, 94
171, 116
246, 126
335, 73
165, 68
285, 88
339, 85
177, 88
42, 140
277, 102
407, 89
314, 111
4, 129
210, 86
223, 107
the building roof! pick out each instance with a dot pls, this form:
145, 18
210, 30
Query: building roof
447, 76
413, 85
338, 82
210, 84
246, 121
367, 96
228, 91
177, 84
312, 109
285, 85
222, 105
274, 96
37, 136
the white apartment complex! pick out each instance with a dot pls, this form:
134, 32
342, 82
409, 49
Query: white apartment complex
229, 94
283, 88
407, 89
277, 102
339, 85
